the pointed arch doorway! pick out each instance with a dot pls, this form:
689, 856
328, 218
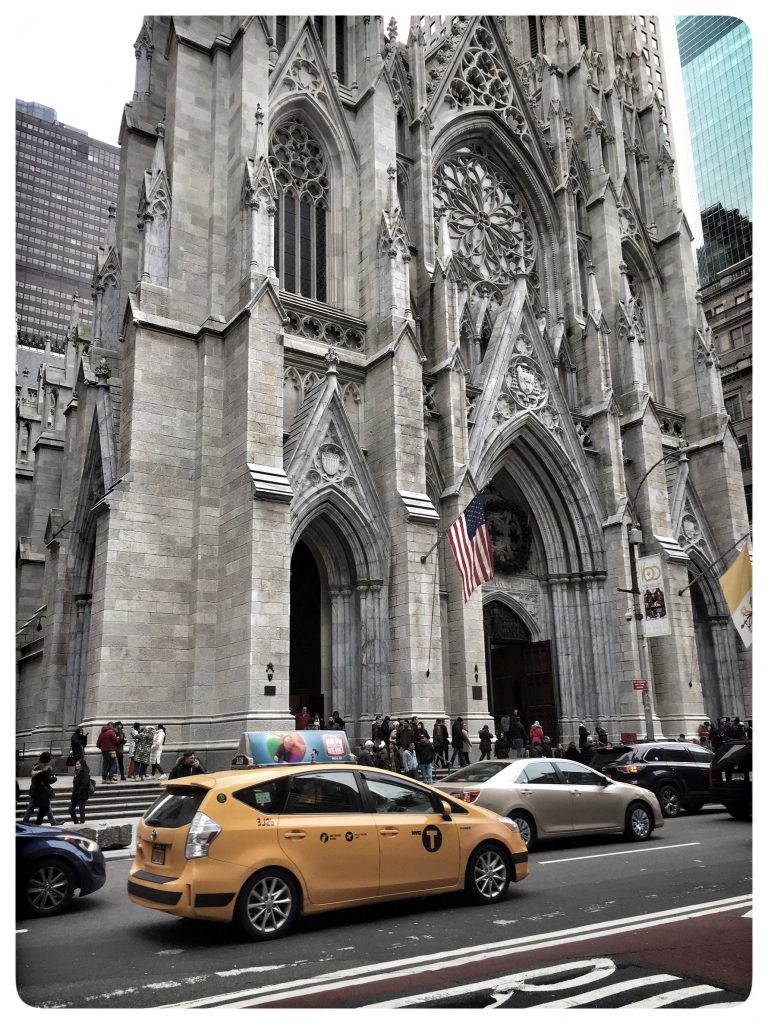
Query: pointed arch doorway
519, 670
305, 672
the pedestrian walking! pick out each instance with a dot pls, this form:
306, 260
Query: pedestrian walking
120, 749
425, 755
739, 729
410, 761
516, 734
600, 732
81, 791
107, 744
572, 752
41, 791
504, 723
486, 743
385, 729
466, 748
376, 729
456, 740
157, 751
143, 753
546, 747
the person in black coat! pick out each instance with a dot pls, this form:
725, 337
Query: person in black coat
501, 748
41, 791
186, 765
78, 743
81, 790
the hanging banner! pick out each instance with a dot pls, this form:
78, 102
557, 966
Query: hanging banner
654, 597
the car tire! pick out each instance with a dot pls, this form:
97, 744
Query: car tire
741, 812
489, 874
639, 822
49, 886
268, 905
526, 825
669, 798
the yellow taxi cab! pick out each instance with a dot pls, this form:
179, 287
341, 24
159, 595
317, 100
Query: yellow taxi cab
260, 846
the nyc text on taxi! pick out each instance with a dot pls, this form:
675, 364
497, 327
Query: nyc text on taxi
261, 846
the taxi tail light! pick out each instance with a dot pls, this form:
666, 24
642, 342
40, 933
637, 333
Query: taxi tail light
630, 769
468, 795
202, 832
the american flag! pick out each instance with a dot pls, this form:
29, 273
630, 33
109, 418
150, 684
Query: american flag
471, 545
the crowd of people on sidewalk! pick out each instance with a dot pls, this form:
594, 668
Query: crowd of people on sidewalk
402, 745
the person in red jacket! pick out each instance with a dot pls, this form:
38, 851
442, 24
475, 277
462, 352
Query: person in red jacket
302, 719
107, 744
536, 733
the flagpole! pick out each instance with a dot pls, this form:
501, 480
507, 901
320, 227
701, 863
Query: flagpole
708, 567
440, 536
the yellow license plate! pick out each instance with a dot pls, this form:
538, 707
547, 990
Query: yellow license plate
158, 855
737, 777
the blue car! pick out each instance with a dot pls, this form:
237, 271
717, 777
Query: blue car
51, 865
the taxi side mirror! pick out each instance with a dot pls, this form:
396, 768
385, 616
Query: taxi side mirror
446, 810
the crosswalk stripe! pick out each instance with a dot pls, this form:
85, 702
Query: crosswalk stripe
675, 996
595, 994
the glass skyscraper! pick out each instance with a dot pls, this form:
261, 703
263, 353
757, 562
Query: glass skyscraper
716, 58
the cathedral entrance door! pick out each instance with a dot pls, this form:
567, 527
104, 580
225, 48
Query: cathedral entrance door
519, 670
305, 664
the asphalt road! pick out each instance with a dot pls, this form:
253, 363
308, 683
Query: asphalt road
618, 917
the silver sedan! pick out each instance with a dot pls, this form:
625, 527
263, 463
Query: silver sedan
553, 797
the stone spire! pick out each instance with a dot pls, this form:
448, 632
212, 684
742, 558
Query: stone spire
595, 306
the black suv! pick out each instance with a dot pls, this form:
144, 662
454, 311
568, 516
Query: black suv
730, 777
678, 773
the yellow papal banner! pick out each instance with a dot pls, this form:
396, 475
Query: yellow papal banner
737, 589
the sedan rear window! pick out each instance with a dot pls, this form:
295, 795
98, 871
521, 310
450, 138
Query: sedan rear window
480, 771
175, 807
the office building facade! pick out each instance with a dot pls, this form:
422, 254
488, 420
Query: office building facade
65, 183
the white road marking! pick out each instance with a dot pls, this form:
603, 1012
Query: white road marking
22, 931
675, 996
606, 990
249, 970
169, 952
620, 853
390, 970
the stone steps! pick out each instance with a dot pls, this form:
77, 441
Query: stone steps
123, 800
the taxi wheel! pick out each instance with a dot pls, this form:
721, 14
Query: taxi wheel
268, 905
488, 874
639, 823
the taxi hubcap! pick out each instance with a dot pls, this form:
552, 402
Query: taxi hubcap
490, 874
269, 904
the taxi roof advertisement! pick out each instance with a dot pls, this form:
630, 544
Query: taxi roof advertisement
311, 746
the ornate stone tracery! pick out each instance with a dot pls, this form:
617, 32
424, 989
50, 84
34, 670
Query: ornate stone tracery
488, 224
299, 162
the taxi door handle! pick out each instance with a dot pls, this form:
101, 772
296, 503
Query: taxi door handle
295, 835
389, 832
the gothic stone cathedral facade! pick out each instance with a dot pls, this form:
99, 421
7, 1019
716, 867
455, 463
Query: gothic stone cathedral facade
368, 280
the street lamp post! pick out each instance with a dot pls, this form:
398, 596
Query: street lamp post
635, 538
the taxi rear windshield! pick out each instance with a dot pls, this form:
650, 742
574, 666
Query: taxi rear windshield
175, 807
480, 771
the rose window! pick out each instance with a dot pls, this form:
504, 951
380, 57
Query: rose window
487, 223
